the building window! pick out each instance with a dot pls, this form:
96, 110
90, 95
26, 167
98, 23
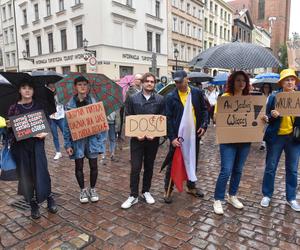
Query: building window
205, 24
25, 16
48, 7
199, 14
13, 59
155, 73
222, 13
61, 5
225, 15
221, 31
6, 36
181, 26
224, 33
228, 18
3, 13
79, 36
81, 68
27, 47
261, 9
50, 42
205, 44
174, 24
66, 69
157, 8
181, 4
210, 27
194, 11
149, 41
188, 8
7, 60
210, 44
63, 37
199, 34
39, 45
194, 32
216, 9
125, 70
129, 3
77, 2
12, 35
228, 35
174, 3
188, 33
216, 30
36, 11
157, 43
211, 6
182, 53
9, 11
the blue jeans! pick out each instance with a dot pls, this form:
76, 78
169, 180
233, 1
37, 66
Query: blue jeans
53, 126
274, 150
112, 138
233, 157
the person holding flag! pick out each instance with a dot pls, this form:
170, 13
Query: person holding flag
187, 118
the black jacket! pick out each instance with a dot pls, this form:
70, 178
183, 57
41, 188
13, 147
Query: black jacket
174, 111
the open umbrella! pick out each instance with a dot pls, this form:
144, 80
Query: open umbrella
258, 83
235, 55
46, 77
198, 77
125, 83
220, 79
101, 88
167, 89
268, 76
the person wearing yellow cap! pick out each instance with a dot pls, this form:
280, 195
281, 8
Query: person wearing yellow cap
279, 138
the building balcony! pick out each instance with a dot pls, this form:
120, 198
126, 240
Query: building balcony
77, 6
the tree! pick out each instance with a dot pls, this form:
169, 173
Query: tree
283, 56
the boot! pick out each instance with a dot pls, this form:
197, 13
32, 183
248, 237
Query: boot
52, 208
35, 212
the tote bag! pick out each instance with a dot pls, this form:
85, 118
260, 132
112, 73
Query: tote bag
7, 165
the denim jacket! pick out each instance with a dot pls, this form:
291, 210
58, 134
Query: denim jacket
95, 142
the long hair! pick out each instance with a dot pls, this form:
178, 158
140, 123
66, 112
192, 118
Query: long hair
231, 80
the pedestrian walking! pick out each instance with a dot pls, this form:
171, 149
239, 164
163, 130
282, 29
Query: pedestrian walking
30, 156
143, 150
212, 94
279, 137
56, 121
88, 147
175, 103
233, 155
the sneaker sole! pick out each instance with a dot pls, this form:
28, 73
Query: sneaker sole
296, 210
146, 200
234, 205
84, 201
130, 205
92, 200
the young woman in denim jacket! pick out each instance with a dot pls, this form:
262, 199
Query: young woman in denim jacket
88, 147
279, 138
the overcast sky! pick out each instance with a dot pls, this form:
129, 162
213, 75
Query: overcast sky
295, 20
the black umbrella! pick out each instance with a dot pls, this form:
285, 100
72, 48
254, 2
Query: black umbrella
46, 77
8, 96
198, 77
236, 55
260, 82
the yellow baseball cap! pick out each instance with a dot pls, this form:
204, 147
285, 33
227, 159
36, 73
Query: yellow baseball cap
286, 73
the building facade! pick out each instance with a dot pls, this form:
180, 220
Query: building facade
272, 15
242, 26
185, 32
8, 42
122, 36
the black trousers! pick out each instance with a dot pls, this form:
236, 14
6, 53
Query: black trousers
189, 184
142, 152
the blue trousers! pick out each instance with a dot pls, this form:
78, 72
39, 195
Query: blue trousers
233, 157
54, 124
274, 150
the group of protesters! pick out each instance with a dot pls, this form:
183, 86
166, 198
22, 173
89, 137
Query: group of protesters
141, 99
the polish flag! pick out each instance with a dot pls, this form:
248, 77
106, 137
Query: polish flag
187, 137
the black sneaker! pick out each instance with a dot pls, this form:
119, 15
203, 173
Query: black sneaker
52, 208
195, 192
35, 212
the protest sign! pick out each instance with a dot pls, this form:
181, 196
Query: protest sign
293, 50
145, 125
239, 119
29, 125
288, 103
86, 121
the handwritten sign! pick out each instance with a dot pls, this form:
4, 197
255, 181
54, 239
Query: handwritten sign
86, 121
288, 103
239, 119
29, 125
145, 125
293, 49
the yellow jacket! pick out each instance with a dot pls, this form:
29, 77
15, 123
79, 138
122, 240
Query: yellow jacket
2, 122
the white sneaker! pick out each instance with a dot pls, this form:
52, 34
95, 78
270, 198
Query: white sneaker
84, 196
148, 198
57, 156
233, 200
129, 202
218, 209
294, 205
93, 195
265, 202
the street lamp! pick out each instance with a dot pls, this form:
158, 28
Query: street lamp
25, 56
85, 45
176, 54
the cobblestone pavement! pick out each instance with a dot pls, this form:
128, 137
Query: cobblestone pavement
188, 223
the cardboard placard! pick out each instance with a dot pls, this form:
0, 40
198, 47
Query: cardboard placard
293, 50
288, 103
86, 121
145, 125
239, 119
29, 125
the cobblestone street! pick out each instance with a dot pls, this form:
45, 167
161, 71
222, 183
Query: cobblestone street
187, 223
